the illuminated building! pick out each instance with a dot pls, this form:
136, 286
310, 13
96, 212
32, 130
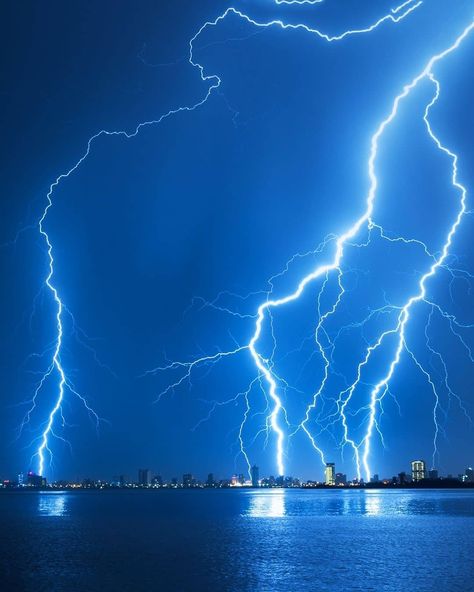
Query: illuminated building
255, 476
418, 470
469, 475
341, 479
144, 477
330, 474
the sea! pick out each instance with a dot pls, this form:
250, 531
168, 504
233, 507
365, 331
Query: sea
290, 540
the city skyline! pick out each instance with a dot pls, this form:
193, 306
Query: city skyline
332, 478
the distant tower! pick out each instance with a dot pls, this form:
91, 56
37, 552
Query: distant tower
255, 476
418, 470
144, 477
469, 475
330, 474
210, 480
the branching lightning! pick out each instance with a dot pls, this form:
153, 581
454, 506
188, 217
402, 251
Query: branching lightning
397, 332
266, 377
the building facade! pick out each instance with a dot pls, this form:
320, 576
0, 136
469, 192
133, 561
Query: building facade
255, 476
330, 474
418, 470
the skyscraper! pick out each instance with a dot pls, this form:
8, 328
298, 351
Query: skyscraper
418, 470
144, 477
255, 476
330, 474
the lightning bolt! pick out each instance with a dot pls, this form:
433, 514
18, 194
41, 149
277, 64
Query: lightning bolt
400, 329
264, 365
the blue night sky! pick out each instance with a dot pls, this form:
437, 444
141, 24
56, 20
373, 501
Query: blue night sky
217, 200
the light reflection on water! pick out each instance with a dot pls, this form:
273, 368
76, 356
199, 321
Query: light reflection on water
267, 504
278, 503
52, 504
248, 540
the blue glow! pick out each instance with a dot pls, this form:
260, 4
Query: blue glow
357, 236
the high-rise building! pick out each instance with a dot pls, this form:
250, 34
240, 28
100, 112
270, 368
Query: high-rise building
433, 474
255, 476
418, 470
330, 474
375, 478
341, 479
144, 477
469, 474
210, 482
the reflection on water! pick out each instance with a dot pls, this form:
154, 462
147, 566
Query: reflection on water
372, 503
267, 504
245, 540
52, 503
276, 503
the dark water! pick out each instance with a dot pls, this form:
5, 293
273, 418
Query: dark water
237, 540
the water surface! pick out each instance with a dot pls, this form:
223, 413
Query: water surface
246, 540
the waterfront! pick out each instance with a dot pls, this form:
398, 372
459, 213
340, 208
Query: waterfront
252, 540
